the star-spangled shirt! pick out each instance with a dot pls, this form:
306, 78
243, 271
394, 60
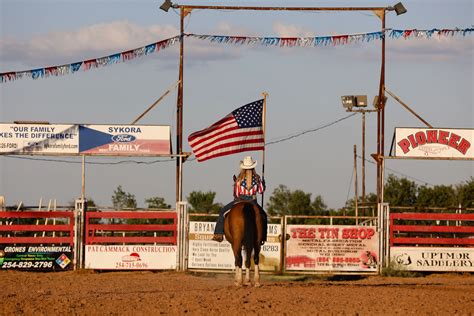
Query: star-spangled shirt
241, 188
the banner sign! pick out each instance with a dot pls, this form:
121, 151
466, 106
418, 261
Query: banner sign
205, 253
36, 258
434, 143
30, 139
73, 140
131, 257
124, 140
332, 248
433, 259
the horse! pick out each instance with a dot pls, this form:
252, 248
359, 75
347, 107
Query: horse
243, 229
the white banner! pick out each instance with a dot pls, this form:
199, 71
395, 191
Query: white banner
43, 139
434, 143
332, 248
433, 259
131, 257
205, 253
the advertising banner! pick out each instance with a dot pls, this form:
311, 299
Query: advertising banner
42, 139
74, 139
434, 143
433, 259
131, 257
124, 140
205, 253
332, 248
36, 258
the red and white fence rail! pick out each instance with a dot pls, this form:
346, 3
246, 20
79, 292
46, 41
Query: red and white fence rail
131, 240
37, 240
432, 241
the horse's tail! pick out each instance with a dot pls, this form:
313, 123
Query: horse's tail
250, 228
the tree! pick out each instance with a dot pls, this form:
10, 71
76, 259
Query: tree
203, 202
122, 199
465, 193
157, 202
439, 196
285, 202
400, 191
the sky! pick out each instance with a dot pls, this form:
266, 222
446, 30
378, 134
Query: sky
433, 76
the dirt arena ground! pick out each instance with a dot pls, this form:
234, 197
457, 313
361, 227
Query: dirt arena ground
148, 293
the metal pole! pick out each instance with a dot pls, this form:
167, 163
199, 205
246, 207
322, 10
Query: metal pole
192, 7
381, 113
363, 158
355, 186
179, 111
408, 108
265, 95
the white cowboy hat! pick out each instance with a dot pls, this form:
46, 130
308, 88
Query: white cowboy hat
248, 163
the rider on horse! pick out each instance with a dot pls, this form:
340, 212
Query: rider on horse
246, 187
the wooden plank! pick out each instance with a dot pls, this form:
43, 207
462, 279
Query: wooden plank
36, 228
432, 229
131, 227
432, 241
13, 215
433, 216
128, 240
37, 240
122, 214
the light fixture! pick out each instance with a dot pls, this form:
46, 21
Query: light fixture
376, 101
166, 5
398, 8
350, 101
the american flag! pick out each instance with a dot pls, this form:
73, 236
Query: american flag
239, 131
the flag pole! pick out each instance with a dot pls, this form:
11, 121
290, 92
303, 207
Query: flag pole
265, 95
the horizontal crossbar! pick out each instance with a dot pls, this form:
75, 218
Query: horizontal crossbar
126, 240
433, 216
37, 240
36, 228
432, 241
433, 229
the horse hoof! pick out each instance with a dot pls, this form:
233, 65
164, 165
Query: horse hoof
246, 284
257, 285
238, 284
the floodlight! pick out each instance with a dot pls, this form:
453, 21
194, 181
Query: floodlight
166, 5
348, 102
398, 8
376, 101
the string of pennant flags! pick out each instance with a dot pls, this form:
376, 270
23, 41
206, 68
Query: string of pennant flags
333, 40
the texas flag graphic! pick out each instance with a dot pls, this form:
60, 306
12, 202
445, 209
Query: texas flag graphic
124, 140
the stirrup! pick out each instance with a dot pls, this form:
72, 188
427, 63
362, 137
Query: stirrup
218, 237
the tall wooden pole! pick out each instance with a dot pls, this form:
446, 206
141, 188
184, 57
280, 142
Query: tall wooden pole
179, 113
265, 95
381, 115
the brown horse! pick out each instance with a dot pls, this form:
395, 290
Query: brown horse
243, 229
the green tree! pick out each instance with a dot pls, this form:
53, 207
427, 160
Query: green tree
400, 191
203, 202
438, 196
157, 202
285, 202
465, 193
122, 199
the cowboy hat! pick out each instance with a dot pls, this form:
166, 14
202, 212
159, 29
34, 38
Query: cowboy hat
248, 163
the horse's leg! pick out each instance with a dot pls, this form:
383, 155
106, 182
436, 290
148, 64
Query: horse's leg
248, 257
238, 262
256, 260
